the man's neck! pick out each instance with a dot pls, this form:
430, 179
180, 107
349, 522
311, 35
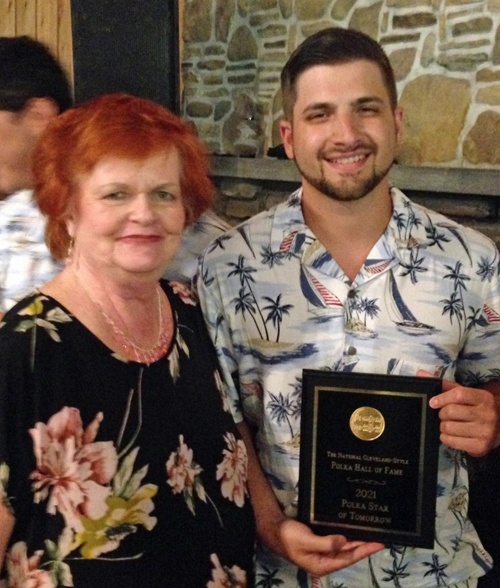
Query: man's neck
348, 230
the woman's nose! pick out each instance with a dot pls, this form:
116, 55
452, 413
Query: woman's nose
142, 208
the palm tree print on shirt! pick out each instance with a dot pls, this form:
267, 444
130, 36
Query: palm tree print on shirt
246, 301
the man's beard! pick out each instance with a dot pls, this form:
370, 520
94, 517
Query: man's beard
350, 191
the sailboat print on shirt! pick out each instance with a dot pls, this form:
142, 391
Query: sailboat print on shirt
399, 312
492, 315
322, 301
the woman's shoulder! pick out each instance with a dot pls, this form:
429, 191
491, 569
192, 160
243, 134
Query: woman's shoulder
181, 297
36, 313
187, 312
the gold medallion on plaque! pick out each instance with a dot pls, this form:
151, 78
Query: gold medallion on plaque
367, 423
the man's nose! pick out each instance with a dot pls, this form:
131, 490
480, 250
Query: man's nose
345, 128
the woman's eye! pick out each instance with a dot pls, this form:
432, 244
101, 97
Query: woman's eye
163, 195
115, 196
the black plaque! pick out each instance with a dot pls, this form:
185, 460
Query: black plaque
368, 456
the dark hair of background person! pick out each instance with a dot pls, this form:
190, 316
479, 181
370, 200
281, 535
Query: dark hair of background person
28, 70
333, 46
112, 125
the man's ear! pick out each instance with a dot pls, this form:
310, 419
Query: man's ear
287, 136
398, 117
37, 114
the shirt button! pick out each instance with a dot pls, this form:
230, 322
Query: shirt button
352, 350
351, 293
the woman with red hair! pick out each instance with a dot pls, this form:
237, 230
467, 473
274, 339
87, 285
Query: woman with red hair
120, 464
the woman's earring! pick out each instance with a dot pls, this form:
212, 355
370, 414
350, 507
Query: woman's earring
69, 252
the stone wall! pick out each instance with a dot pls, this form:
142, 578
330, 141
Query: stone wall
446, 55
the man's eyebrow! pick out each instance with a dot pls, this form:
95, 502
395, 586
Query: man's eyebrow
331, 106
366, 99
319, 106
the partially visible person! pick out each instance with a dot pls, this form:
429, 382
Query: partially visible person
195, 240
120, 463
33, 91
348, 274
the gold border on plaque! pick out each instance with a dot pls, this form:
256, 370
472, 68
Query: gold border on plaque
423, 428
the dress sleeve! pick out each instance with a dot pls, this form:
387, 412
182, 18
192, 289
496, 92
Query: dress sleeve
212, 304
16, 401
479, 360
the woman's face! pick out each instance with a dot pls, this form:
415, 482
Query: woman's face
129, 215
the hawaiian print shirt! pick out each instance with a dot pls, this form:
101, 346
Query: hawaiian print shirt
194, 242
427, 297
25, 261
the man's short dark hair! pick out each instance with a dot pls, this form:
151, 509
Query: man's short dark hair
334, 46
28, 70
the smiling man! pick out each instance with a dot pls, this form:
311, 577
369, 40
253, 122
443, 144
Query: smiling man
350, 275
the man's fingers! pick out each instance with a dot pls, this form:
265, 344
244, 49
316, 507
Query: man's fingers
461, 396
348, 555
352, 545
330, 544
462, 414
477, 447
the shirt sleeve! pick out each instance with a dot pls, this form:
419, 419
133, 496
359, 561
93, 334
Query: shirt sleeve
26, 270
212, 304
196, 239
479, 359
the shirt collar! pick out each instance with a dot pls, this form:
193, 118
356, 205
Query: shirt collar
405, 232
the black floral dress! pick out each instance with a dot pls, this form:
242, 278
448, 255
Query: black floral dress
119, 473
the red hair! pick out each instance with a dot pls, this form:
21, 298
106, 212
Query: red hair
114, 125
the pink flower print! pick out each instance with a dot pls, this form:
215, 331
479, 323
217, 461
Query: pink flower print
72, 470
224, 577
184, 474
23, 572
184, 293
233, 470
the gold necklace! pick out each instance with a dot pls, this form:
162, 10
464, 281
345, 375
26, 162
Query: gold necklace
141, 354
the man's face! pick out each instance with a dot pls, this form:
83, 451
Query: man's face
344, 132
16, 146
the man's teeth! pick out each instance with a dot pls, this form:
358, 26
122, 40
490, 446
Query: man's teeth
351, 159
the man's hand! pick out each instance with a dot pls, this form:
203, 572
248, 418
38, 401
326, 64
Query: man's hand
319, 555
470, 419
289, 538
